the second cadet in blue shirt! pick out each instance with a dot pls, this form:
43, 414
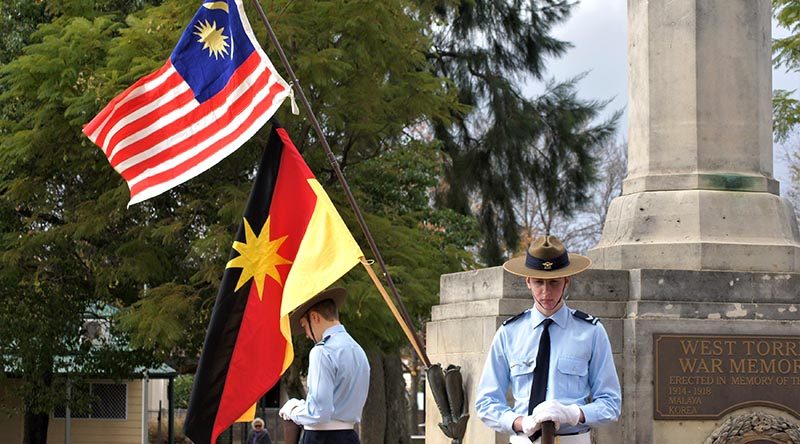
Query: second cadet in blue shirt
556, 361
338, 374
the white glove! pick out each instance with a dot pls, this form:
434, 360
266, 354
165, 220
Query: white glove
557, 412
530, 425
291, 405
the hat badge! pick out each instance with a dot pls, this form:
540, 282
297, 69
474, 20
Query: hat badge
547, 265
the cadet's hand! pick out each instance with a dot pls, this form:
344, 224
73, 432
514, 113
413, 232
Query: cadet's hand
530, 425
557, 412
286, 411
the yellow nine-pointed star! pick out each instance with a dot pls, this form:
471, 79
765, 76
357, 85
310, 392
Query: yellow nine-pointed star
212, 38
258, 257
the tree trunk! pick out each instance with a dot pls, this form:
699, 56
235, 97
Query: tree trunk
396, 404
373, 419
36, 421
35, 427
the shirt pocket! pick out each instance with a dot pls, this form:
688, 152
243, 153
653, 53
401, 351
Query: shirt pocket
573, 376
521, 377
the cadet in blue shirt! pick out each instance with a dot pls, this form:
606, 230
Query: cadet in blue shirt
338, 374
556, 361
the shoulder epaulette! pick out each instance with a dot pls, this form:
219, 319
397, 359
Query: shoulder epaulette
322, 342
514, 318
585, 317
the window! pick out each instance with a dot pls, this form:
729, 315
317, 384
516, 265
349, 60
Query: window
106, 401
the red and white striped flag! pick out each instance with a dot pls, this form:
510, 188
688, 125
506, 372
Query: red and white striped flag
217, 89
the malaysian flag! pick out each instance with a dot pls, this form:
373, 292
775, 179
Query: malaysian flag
214, 92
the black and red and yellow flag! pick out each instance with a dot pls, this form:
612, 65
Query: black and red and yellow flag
291, 245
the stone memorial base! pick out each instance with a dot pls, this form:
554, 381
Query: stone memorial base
705, 323
699, 230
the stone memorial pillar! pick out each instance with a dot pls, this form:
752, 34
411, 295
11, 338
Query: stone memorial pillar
697, 274
699, 193
711, 333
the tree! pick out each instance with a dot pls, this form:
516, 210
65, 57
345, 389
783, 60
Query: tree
71, 245
19, 19
786, 51
419, 244
183, 388
378, 75
791, 156
581, 230
786, 108
62, 260
558, 176
487, 48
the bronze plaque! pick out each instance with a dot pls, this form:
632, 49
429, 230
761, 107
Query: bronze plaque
707, 376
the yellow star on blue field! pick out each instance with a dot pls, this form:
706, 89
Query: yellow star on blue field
258, 257
212, 38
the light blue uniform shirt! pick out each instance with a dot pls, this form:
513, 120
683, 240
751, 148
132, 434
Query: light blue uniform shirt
581, 371
338, 379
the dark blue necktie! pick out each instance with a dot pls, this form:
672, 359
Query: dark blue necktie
539, 387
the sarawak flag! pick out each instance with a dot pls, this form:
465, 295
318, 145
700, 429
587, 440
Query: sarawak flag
291, 245
214, 92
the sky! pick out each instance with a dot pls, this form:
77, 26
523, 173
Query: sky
598, 31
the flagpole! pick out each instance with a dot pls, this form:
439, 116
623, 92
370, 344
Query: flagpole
404, 319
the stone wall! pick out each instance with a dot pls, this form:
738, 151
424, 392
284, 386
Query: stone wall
475, 303
633, 306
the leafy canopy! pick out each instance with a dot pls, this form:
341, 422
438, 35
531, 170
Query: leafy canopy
72, 248
506, 141
786, 52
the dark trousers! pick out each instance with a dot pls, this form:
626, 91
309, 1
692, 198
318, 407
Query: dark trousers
330, 437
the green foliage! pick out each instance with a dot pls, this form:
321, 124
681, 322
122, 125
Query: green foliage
70, 251
416, 256
71, 248
91, 8
562, 166
18, 20
363, 67
504, 142
786, 52
399, 181
793, 193
414, 98
156, 321
787, 49
183, 389
785, 113
418, 243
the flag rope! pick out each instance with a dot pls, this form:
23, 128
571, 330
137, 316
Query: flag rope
404, 319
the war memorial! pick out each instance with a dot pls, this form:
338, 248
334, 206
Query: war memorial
697, 275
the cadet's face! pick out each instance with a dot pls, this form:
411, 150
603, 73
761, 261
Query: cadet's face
305, 326
547, 293
313, 317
